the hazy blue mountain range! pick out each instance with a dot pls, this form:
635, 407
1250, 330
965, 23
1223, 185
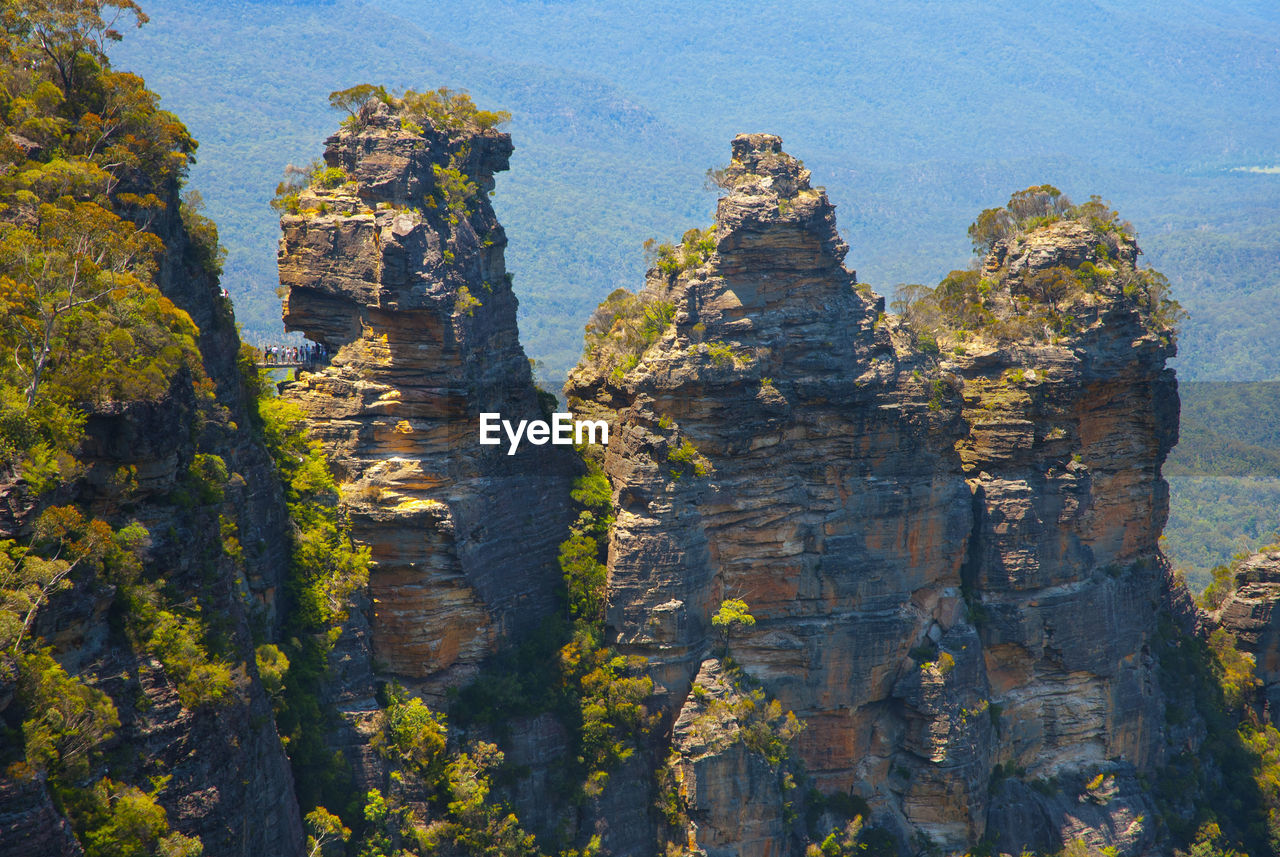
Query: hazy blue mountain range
915, 115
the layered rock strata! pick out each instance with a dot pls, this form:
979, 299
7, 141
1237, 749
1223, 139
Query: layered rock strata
219, 771
952, 561
397, 270
1249, 613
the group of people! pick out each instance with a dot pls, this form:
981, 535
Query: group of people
300, 355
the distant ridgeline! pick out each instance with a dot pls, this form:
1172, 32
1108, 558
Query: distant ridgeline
844, 581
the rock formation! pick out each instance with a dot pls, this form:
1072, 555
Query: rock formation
951, 558
1249, 613
225, 775
397, 270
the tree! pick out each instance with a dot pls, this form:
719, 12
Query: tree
584, 575
412, 736
323, 828
732, 615
66, 32
75, 259
62, 540
118, 820
354, 99
67, 721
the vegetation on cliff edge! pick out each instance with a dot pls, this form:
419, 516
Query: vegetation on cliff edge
997, 302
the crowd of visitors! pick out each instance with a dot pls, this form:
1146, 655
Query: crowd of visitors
307, 354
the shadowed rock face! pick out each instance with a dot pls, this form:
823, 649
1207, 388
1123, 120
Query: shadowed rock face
952, 562
1250, 614
405, 284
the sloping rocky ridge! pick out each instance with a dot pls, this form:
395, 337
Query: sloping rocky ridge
225, 775
952, 562
406, 287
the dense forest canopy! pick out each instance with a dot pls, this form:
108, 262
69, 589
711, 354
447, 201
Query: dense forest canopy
894, 106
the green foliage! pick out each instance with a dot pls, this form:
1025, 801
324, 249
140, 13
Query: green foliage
203, 248
1223, 584
584, 576
205, 480
476, 825
61, 542
67, 719
289, 190
353, 100
844, 842
695, 247
1223, 782
565, 668
329, 177
732, 615
465, 304
326, 570
81, 323
1235, 670
724, 355
1042, 303
273, 666
178, 642
323, 830
1026, 209
612, 691
623, 327
117, 820
1209, 842
685, 458
454, 189
449, 110
326, 567
411, 736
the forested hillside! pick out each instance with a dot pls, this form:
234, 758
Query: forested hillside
917, 115
1224, 475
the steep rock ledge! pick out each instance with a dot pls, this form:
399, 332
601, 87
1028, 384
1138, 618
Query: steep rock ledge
1067, 433
833, 501
401, 277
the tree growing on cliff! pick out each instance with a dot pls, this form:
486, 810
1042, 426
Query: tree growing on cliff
354, 100
733, 615
71, 35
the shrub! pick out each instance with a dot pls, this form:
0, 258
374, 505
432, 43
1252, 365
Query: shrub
623, 327
466, 303
584, 576
177, 642
411, 736
449, 110
118, 820
687, 459
329, 177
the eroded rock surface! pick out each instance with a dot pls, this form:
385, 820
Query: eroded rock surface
1249, 613
951, 557
398, 271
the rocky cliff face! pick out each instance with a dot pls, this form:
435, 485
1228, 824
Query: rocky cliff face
951, 558
1249, 614
226, 778
398, 271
